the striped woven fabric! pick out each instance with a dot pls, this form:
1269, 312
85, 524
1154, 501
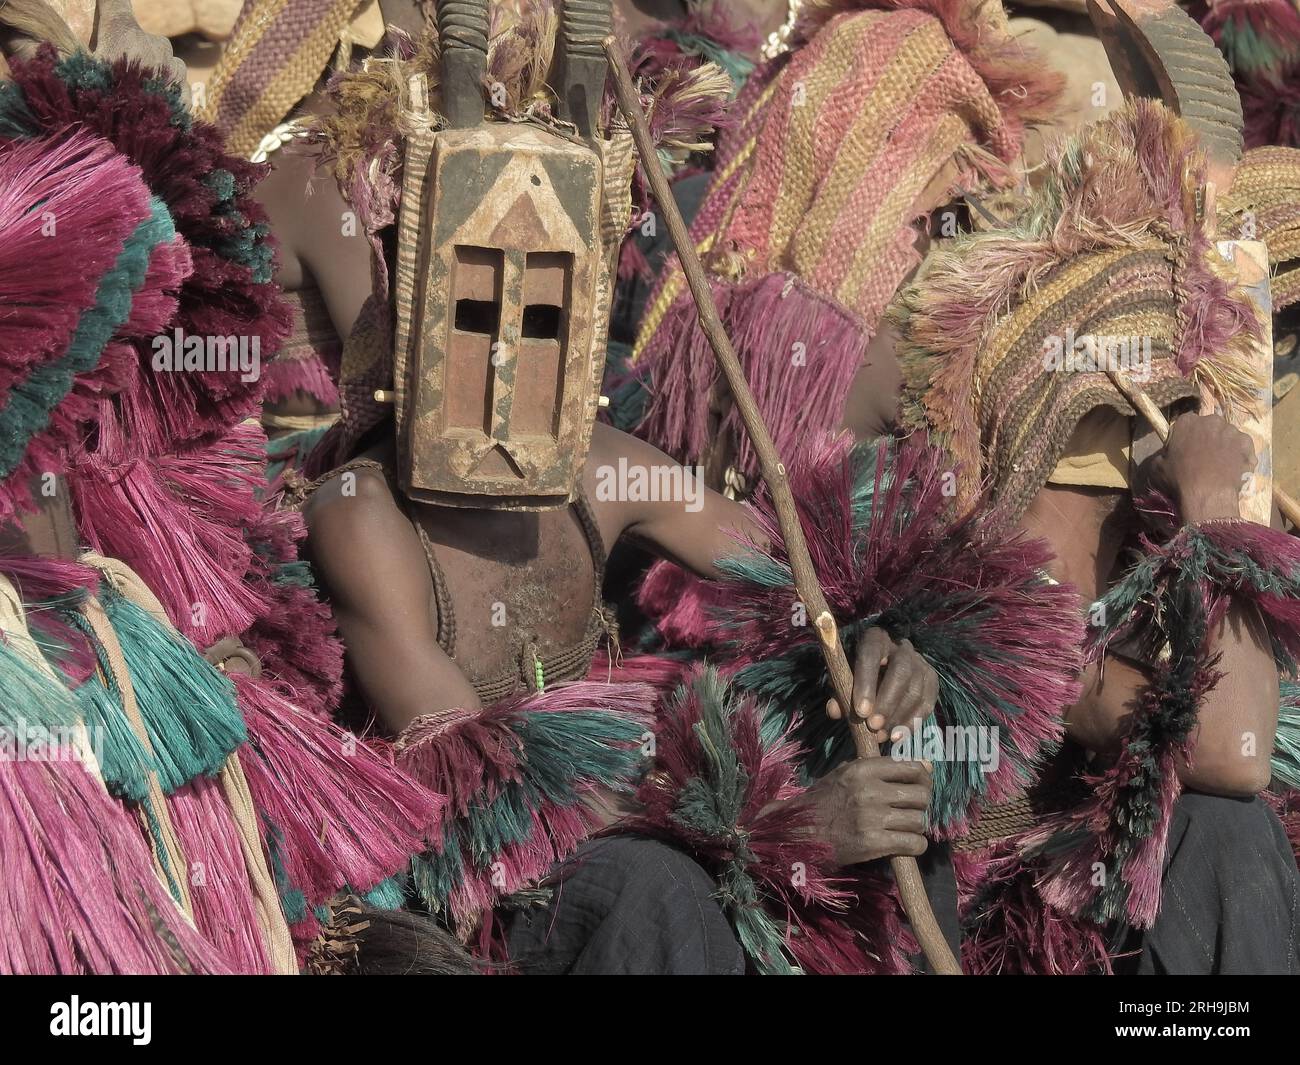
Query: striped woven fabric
809, 223
1009, 332
1264, 204
1026, 408
309, 358
276, 54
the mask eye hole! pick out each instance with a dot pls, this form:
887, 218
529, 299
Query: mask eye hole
477, 316
542, 321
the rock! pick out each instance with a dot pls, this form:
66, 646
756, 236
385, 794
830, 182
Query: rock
79, 15
213, 19
1069, 45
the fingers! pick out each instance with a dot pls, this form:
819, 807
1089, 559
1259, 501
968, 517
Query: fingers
907, 693
876, 807
873, 652
913, 794
896, 820
866, 771
908, 796
109, 9
179, 73
888, 782
117, 34
112, 19
1215, 429
881, 843
906, 844
874, 840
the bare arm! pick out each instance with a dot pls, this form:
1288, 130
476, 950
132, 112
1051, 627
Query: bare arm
319, 237
1237, 722
371, 562
1238, 719
694, 531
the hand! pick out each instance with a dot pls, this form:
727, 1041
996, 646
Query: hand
892, 685
872, 808
1202, 467
118, 35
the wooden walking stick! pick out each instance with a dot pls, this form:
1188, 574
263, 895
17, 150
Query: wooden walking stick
1157, 51
1146, 406
906, 874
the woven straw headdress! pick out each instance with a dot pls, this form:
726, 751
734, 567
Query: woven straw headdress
809, 223
1108, 254
277, 53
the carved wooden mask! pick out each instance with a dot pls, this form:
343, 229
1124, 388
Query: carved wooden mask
502, 367
503, 280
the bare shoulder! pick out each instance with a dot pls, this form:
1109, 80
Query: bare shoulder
606, 443
609, 445
613, 459
349, 496
356, 529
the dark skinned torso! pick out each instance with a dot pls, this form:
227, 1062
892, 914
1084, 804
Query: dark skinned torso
511, 575
538, 565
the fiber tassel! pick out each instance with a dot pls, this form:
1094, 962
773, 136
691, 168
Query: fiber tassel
1259, 38
47, 587
1172, 596
31, 698
800, 353
124, 764
724, 794
79, 893
1008, 929
188, 706
224, 913
98, 203
286, 378
339, 813
971, 599
178, 522
47, 402
299, 646
490, 854
1122, 828
207, 194
74, 181
517, 775
1286, 804
663, 672
294, 635
1286, 745
680, 604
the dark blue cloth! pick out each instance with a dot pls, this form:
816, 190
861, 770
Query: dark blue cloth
1229, 896
627, 906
